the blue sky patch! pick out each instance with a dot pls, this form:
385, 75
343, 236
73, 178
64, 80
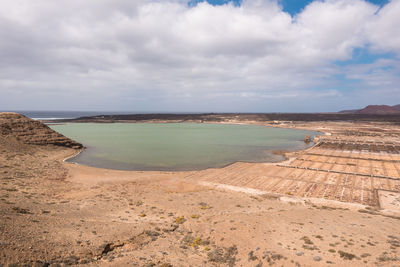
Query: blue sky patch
290, 6
364, 56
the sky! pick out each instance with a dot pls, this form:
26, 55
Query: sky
199, 56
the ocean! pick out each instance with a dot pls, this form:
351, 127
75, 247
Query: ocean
53, 115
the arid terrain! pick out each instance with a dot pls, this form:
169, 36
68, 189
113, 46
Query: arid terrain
335, 204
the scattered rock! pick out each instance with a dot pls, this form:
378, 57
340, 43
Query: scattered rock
317, 258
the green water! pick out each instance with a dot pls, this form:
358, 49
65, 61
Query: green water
178, 146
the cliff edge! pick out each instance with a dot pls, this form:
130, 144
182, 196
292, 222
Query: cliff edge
28, 131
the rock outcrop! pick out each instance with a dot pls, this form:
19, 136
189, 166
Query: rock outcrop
28, 131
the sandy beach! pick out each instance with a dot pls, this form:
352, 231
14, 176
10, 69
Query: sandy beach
337, 203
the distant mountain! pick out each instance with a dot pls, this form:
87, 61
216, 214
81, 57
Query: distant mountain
379, 109
375, 109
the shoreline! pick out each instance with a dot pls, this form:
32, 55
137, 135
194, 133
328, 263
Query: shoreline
73, 156
280, 152
226, 117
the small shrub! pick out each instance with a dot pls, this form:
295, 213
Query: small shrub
319, 237
205, 207
346, 255
21, 210
180, 220
196, 242
307, 240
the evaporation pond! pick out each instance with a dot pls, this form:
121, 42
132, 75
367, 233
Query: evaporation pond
178, 146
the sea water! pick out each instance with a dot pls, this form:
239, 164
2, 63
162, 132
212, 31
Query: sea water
178, 146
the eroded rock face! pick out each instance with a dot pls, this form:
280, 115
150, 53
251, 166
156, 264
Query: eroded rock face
33, 132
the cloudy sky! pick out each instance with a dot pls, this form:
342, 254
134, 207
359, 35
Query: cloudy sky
197, 56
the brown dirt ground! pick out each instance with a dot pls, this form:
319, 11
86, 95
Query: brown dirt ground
58, 214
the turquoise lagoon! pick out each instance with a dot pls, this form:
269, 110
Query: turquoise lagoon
178, 146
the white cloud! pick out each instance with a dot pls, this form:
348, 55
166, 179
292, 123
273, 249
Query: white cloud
382, 74
155, 55
384, 30
332, 29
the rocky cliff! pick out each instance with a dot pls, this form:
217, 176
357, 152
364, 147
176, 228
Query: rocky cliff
28, 131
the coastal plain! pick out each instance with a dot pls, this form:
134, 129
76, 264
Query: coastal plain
336, 203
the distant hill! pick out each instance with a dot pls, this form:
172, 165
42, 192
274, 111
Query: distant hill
375, 109
379, 109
